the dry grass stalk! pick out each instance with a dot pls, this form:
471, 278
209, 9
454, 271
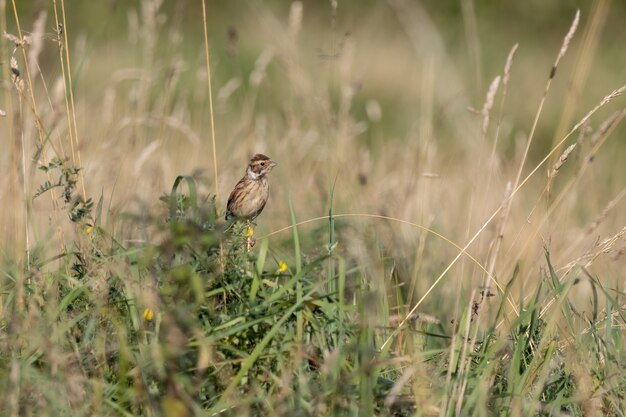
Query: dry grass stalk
566, 42
508, 190
599, 139
144, 156
260, 67
56, 101
508, 64
227, 90
70, 108
210, 92
585, 131
18, 81
564, 46
520, 183
36, 37
396, 390
491, 94
295, 17
207, 57
604, 214
518, 179
601, 247
582, 122
605, 100
606, 126
587, 160
562, 160
606, 245
108, 103
505, 81
587, 48
25, 41
495, 244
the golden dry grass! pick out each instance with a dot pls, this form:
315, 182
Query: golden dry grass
458, 149
381, 115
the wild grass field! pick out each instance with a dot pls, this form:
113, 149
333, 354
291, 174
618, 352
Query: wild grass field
446, 229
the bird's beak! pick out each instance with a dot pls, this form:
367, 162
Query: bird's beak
273, 164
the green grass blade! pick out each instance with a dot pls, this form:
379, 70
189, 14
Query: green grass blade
258, 350
298, 256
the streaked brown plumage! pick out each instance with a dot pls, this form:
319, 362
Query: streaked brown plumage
249, 196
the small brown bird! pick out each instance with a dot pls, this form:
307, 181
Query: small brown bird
249, 196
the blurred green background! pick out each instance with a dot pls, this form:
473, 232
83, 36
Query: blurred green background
475, 35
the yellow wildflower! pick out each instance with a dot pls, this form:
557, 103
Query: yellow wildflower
148, 314
282, 267
249, 231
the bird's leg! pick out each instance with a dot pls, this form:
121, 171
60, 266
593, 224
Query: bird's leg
250, 241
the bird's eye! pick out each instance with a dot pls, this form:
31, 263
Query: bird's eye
262, 164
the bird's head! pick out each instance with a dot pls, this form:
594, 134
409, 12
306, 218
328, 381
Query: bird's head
259, 166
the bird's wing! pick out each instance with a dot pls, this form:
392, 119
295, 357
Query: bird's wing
231, 198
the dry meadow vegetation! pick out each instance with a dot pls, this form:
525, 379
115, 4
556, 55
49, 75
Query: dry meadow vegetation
445, 236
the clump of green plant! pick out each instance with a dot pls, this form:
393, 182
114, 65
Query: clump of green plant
78, 208
194, 321
220, 322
